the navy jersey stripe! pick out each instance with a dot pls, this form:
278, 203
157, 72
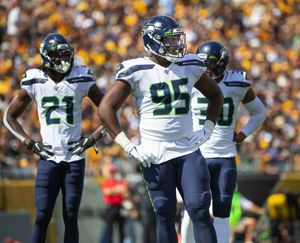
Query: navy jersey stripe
34, 81
80, 80
190, 63
237, 84
133, 69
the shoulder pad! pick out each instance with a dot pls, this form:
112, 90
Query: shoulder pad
236, 78
80, 69
33, 76
129, 67
80, 74
190, 60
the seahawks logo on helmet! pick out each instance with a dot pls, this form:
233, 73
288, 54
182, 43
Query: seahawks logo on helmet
215, 56
164, 37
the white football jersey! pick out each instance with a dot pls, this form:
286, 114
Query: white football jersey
163, 98
59, 107
234, 86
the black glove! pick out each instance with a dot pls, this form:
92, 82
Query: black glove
81, 145
40, 149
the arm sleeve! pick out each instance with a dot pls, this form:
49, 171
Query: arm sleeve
258, 115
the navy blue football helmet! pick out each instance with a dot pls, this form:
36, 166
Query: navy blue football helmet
215, 57
56, 53
164, 37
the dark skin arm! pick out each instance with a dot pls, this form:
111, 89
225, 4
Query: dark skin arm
249, 96
210, 89
96, 96
15, 110
110, 104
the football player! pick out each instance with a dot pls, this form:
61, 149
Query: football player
58, 88
169, 152
220, 150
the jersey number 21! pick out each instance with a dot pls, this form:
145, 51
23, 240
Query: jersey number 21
54, 104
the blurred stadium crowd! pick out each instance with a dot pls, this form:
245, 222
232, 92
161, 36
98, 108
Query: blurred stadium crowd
263, 38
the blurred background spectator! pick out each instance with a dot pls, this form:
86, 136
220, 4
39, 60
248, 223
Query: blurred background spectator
114, 190
243, 219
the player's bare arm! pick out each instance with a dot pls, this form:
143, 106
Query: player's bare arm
110, 104
96, 96
107, 112
210, 89
212, 92
13, 112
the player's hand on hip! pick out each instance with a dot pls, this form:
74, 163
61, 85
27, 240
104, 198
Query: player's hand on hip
80, 146
137, 152
40, 149
239, 137
201, 136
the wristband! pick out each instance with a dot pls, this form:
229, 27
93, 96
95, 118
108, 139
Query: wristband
123, 141
209, 126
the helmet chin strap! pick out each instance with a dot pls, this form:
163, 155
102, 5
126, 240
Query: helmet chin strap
168, 58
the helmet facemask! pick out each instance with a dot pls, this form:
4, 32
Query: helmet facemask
173, 45
58, 58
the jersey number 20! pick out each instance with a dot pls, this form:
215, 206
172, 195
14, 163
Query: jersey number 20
54, 101
226, 115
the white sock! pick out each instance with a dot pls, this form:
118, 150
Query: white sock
187, 233
222, 229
